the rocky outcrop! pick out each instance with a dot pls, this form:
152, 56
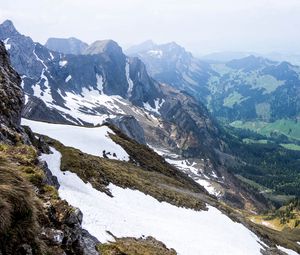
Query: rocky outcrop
11, 94
130, 127
36, 109
27, 227
66, 45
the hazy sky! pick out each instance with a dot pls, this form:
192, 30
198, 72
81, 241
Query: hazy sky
201, 26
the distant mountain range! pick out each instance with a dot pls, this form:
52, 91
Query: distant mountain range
103, 83
225, 56
248, 88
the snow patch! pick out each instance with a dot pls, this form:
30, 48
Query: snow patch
155, 53
6, 44
208, 186
68, 78
40, 60
62, 63
26, 99
158, 104
287, 251
129, 81
100, 83
132, 213
89, 140
45, 93
51, 55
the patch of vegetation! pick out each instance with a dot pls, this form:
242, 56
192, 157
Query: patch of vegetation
266, 164
20, 208
155, 179
291, 146
232, 99
134, 246
287, 127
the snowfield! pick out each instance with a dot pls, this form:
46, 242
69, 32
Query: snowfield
132, 213
89, 140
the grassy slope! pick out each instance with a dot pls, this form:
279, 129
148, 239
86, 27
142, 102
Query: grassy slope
157, 179
21, 211
134, 246
289, 128
149, 173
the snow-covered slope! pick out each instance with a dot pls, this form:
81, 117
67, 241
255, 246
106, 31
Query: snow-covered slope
132, 213
89, 140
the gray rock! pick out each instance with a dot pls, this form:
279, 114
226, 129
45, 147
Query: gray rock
87, 243
66, 45
54, 236
50, 179
130, 127
11, 94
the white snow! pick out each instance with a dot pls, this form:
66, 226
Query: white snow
155, 53
26, 99
6, 44
89, 140
208, 186
194, 172
45, 93
68, 78
38, 59
132, 213
51, 55
100, 83
62, 63
158, 104
287, 251
184, 164
129, 81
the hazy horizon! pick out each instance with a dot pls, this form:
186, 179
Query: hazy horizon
201, 26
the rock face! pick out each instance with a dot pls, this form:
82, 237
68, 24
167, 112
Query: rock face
11, 99
172, 64
56, 226
187, 125
130, 127
36, 109
79, 88
11, 95
67, 46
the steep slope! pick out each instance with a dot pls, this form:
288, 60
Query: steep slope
254, 88
104, 83
114, 200
66, 45
11, 96
33, 219
172, 64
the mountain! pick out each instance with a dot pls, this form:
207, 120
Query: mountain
34, 220
66, 45
104, 83
122, 188
224, 56
172, 64
248, 88
255, 88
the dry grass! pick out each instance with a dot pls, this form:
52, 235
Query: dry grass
18, 210
100, 172
134, 246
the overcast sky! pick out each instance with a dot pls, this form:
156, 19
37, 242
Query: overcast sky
201, 26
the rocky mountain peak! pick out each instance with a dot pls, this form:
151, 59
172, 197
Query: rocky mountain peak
249, 63
103, 46
8, 27
70, 45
